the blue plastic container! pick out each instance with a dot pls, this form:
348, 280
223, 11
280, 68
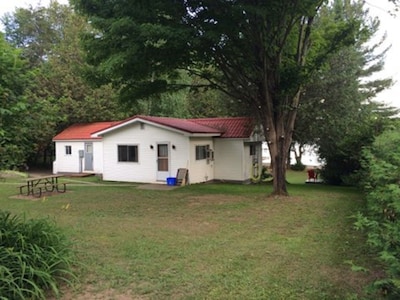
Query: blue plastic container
171, 181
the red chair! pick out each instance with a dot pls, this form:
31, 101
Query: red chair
312, 175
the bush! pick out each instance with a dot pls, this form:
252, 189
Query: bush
381, 220
264, 176
298, 167
35, 257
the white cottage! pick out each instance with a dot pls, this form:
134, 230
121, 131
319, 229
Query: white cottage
76, 151
150, 149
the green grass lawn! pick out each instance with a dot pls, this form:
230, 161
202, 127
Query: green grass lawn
209, 241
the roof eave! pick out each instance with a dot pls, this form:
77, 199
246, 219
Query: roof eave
203, 134
100, 133
166, 127
77, 140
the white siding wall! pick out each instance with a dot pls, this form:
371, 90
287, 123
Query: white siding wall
67, 163
259, 157
247, 162
229, 157
71, 163
233, 160
98, 157
145, 170
252, 163
200, 170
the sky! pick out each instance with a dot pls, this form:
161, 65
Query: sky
389, 25
378, 8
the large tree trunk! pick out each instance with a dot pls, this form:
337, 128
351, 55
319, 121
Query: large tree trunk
276, 107
278, 158
278, 111
278, 129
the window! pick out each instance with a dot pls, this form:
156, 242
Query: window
68, 150
252, 150
128, 153
202, 152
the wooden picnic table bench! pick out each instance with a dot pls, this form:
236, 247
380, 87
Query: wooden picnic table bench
37, 185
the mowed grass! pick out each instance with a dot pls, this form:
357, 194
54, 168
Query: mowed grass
210, 241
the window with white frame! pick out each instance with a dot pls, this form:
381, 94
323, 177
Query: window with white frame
201, 151
68, 150
128, 153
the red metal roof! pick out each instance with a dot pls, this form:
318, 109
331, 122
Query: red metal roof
239, 127
181, 124
82, 131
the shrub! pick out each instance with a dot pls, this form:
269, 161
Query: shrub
35, 257
264, 176
298, 167
381, 220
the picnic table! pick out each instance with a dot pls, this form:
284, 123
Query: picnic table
35, 186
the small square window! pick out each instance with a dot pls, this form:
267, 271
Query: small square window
68, 150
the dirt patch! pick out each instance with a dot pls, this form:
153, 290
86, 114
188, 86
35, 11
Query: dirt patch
156, 186
34, 198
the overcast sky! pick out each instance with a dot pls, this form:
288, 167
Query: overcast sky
378, 8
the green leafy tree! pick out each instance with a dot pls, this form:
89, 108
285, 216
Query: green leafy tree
171, 105
195, 102
336, 112
49, 38
14, 108
343, 156
261, 50
206, 102
36, 30
62, 78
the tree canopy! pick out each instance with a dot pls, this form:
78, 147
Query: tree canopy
57, 93
14, 126
333, 102
261, 53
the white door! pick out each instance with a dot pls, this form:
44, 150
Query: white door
162, 162
88, 156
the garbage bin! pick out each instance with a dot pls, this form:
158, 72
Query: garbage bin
171, 181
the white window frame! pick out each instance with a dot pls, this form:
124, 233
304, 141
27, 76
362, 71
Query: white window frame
127, 158
68, 150
202, 152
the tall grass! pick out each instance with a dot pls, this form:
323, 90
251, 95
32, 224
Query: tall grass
35, 257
